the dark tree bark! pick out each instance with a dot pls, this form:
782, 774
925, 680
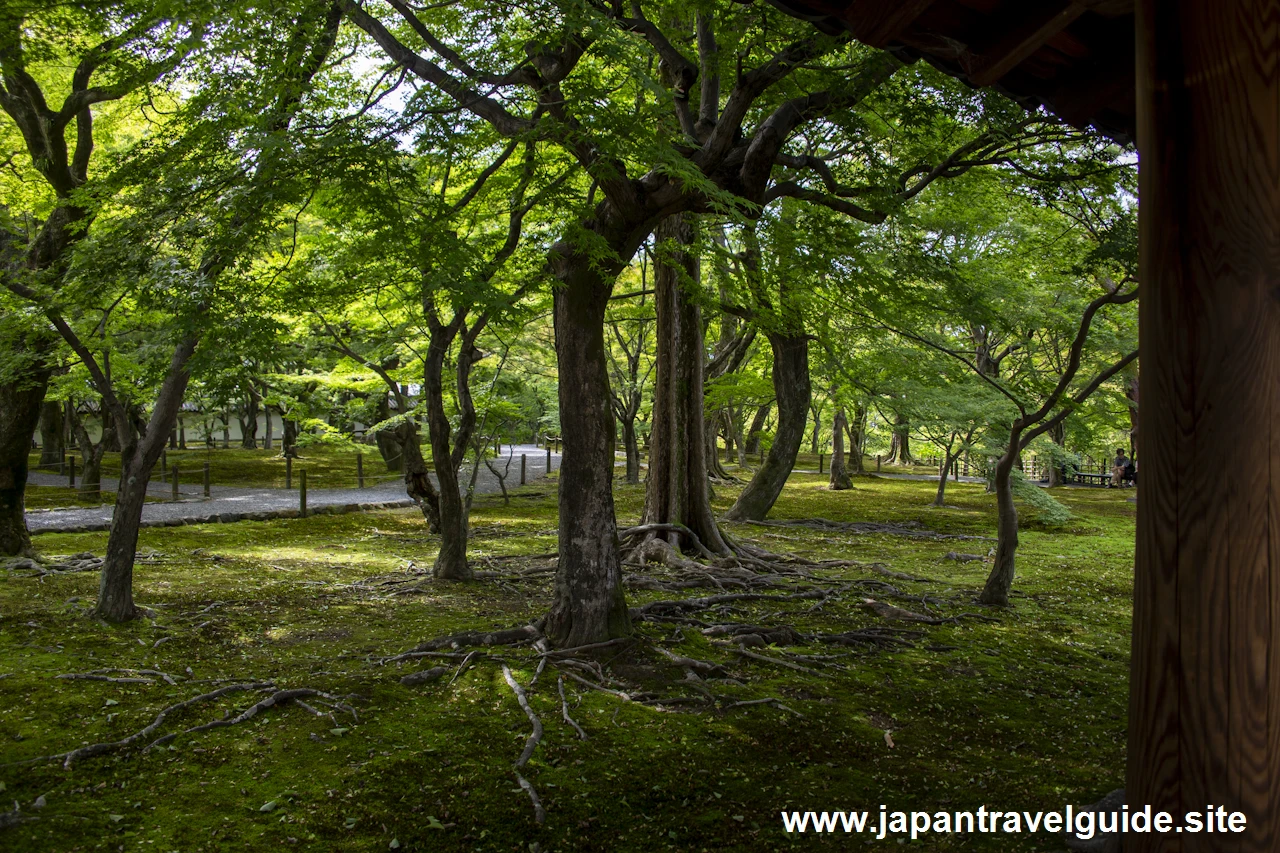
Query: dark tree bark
588, 605
857, 429
739, 435
900, 445
20, 408
758, 421
677, 490
817, 429
417, 475
289, 440
1059, 437
791, 389
52, 433
1000, 580
839, 471
248, 417
91, 452
447, 449
138, 456
950, 453
631, 446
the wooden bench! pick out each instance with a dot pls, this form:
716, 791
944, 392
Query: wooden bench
1091, 479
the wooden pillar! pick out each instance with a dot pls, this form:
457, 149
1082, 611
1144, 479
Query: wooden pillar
1204, 711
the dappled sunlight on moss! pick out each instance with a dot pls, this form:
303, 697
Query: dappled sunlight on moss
1025, 712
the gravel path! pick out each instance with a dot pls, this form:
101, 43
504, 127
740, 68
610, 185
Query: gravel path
229, 503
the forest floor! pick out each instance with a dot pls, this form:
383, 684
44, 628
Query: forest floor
1022, 708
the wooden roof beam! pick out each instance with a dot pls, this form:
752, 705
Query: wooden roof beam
878, 22
1023, 39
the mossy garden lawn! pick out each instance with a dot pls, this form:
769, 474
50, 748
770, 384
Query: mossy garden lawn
1026, 711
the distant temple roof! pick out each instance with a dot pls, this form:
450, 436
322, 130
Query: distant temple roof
1074, 58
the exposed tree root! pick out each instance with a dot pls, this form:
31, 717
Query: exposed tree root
278, 697
15, 817
880, 568
888, 611
776, 662
882, 637
425, 676
506, 637
100, 675
777, 703
964, 558
535, 737
68, 758
757, 635
644, 529
564, 711
42, 568
699, 667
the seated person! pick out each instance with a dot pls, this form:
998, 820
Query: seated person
1118, 468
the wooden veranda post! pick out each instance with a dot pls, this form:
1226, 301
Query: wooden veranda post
1204, 717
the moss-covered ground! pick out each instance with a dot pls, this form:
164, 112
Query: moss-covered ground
1026, 712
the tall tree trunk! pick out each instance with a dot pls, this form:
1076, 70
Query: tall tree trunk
249, 419
390, 442
678, 490
451, 560
588, 604
839, 471
138, 456
948, 458
900, 447
711, 447
631, 445
857, 429
269, 428
817, 430
52, 430
289, 441
91, 452
1000, 581
1058, 435
740, 438
417, 477
757, 427
791, 387
20, 408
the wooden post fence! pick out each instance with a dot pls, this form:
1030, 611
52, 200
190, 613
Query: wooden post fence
302, 493
522, 465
